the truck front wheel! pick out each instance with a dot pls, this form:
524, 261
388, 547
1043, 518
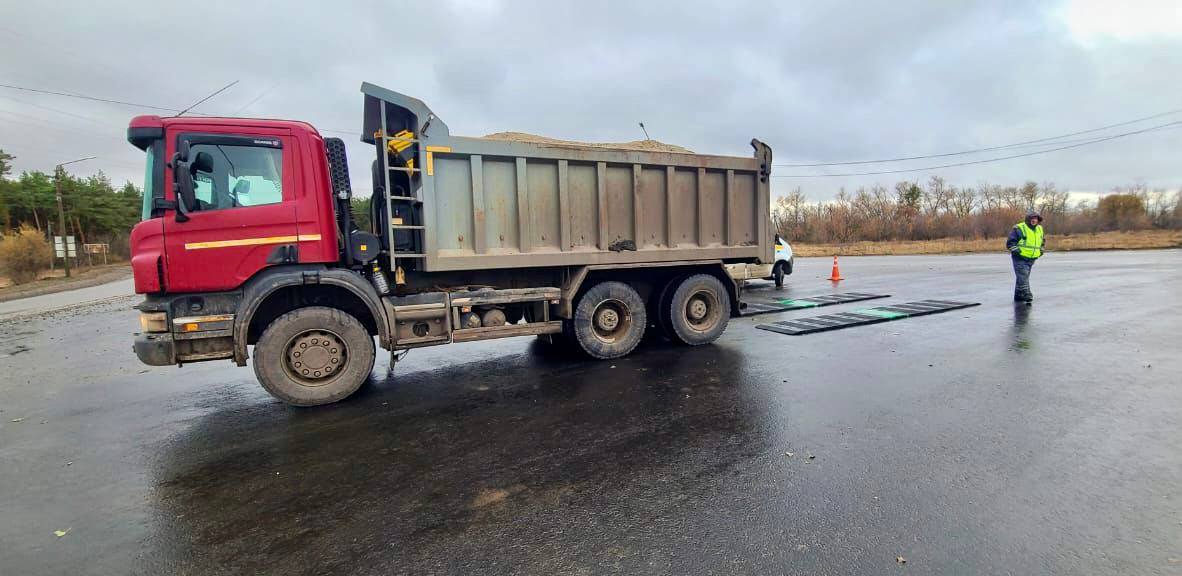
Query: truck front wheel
314, 355
609, 320
699, 310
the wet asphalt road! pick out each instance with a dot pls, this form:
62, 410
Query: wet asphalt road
997, 439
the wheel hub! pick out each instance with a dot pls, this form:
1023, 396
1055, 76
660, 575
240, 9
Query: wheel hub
315, 355
607, 319
702, 311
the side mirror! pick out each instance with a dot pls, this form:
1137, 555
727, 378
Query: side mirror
182, 185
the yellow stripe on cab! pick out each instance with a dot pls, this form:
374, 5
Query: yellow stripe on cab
251, 241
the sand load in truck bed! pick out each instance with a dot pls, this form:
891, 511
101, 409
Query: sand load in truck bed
641, 145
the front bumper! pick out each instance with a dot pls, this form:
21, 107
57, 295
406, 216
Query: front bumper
749, 271
156, 349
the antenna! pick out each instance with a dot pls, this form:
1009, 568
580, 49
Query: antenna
646, 137
195, 104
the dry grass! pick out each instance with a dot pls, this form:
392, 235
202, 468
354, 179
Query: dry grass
23, 254
1137, 240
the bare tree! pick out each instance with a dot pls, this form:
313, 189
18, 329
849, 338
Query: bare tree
963, 202
789, 214
1160, 205
936, 197
1028, 195
991, 195
1054, 201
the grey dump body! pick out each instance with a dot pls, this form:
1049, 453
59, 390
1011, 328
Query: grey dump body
493, 204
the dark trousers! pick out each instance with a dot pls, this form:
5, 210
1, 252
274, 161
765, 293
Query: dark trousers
1022, 267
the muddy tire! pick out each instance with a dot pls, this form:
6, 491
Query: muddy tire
660, 310
609, 320
778, 274
314, 355
699, 310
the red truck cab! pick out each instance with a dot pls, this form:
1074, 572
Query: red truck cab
237, 214
256, 204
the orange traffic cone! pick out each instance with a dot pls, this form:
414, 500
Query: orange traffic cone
836, 275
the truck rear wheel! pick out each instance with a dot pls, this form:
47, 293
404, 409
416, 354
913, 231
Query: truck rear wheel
609, 320
699, 310
314, 355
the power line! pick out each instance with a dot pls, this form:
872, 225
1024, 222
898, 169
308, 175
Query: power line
93, 98
219, 91
987, 160
59, 111
19, 150
256, 99
977, 150
73, 129
146, 106
347, 132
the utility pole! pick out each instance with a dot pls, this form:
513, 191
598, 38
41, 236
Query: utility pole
61, 213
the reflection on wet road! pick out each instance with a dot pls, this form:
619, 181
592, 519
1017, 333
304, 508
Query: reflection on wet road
994, 439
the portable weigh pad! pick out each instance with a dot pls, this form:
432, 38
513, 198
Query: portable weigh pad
839, 320
785, 304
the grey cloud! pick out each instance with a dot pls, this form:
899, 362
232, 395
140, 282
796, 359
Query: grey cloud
817, 80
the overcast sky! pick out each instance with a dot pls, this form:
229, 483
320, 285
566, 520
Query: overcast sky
818, 81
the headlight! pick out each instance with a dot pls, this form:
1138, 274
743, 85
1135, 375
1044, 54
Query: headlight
154, 321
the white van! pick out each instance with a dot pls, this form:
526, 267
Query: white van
775, 271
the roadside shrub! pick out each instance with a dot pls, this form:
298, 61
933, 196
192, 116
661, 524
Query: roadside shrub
23, 254
1122, 212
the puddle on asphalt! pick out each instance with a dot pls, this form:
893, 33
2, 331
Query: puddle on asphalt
1022, 340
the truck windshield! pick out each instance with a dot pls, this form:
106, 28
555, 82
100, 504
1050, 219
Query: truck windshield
146, 191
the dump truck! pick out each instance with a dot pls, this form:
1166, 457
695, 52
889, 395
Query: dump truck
248, 247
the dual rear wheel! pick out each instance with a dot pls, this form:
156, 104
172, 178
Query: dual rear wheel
610, 318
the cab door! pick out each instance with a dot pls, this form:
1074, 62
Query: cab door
245, 217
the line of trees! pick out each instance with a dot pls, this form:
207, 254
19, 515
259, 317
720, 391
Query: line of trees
96, 211
936, 209
99, 212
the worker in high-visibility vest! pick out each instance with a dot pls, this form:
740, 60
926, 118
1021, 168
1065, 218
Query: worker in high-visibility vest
1026, 245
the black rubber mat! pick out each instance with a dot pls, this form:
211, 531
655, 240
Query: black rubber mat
863, 316
784, 304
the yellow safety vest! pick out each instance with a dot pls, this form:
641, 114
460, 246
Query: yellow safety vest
1030, 241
